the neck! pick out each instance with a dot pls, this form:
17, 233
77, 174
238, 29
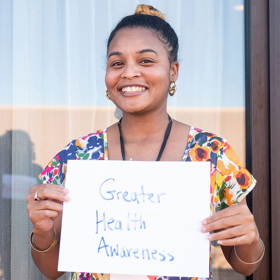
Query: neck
136, 128
133, 142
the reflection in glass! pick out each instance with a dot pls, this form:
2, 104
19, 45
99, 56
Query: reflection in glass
53, 57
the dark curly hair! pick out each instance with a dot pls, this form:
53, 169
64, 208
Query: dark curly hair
160, 27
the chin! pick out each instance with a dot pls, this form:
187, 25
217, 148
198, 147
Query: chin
132, 109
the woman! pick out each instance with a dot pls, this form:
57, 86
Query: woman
142, 69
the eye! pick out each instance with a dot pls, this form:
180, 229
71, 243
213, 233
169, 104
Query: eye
146, 61
117, 64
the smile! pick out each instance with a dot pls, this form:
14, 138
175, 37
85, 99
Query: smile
133, 89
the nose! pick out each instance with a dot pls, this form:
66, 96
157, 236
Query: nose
130, 71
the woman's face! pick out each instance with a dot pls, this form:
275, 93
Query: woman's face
139, 71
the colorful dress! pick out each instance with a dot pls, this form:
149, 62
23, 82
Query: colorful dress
230, 180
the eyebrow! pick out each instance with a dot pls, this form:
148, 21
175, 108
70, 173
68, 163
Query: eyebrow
142, 51
114, 53
148, 50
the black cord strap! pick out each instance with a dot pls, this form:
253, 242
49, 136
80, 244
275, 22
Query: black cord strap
121, 139
166, 136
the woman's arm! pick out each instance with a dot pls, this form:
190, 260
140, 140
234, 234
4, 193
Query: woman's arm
47, 262
45, 214
235, 226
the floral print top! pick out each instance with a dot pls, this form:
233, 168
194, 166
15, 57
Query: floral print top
230, 180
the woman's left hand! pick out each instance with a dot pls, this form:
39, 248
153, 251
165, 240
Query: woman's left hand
232, 226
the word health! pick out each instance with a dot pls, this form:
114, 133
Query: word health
131, 222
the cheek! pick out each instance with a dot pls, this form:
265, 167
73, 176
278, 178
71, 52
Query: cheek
111, 79
156, 74
161, 78
107, 79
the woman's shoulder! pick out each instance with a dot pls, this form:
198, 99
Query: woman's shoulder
91, 146
205, 137
198, 131
206, 146
93, 136
98, 134
84, 147
198, 135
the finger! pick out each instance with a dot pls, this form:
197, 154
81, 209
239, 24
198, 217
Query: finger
241, 240
48, 205
49, 186
35, 211
53, 194
46, 221
49, 192
44, 190
228, 233
43, 215
230, 211
223, 223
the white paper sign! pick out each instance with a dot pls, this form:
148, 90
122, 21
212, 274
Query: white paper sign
128, 277
140, 218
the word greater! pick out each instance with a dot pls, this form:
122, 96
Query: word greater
131, 222
109, 191
135, 253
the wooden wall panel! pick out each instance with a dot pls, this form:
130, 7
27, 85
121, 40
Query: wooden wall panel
259, 119
274, 24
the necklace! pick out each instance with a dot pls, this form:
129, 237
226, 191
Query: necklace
166, 135
146, 153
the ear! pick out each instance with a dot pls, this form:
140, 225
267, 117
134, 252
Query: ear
174, 71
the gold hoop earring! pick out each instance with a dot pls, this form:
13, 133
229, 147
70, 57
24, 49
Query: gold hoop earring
107, 94
172, 88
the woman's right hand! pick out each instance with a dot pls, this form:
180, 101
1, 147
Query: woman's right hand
49, 206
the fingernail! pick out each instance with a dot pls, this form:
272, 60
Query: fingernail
210, 237
203, 229
220, 242
66, 191
204, 222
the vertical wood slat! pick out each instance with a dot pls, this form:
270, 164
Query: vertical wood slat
259, 116
274, 25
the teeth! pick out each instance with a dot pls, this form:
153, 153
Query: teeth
133, 89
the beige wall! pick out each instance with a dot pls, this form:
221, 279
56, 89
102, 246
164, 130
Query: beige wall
50, 128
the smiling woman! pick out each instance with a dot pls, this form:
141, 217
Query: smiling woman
142, 68
139, 71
